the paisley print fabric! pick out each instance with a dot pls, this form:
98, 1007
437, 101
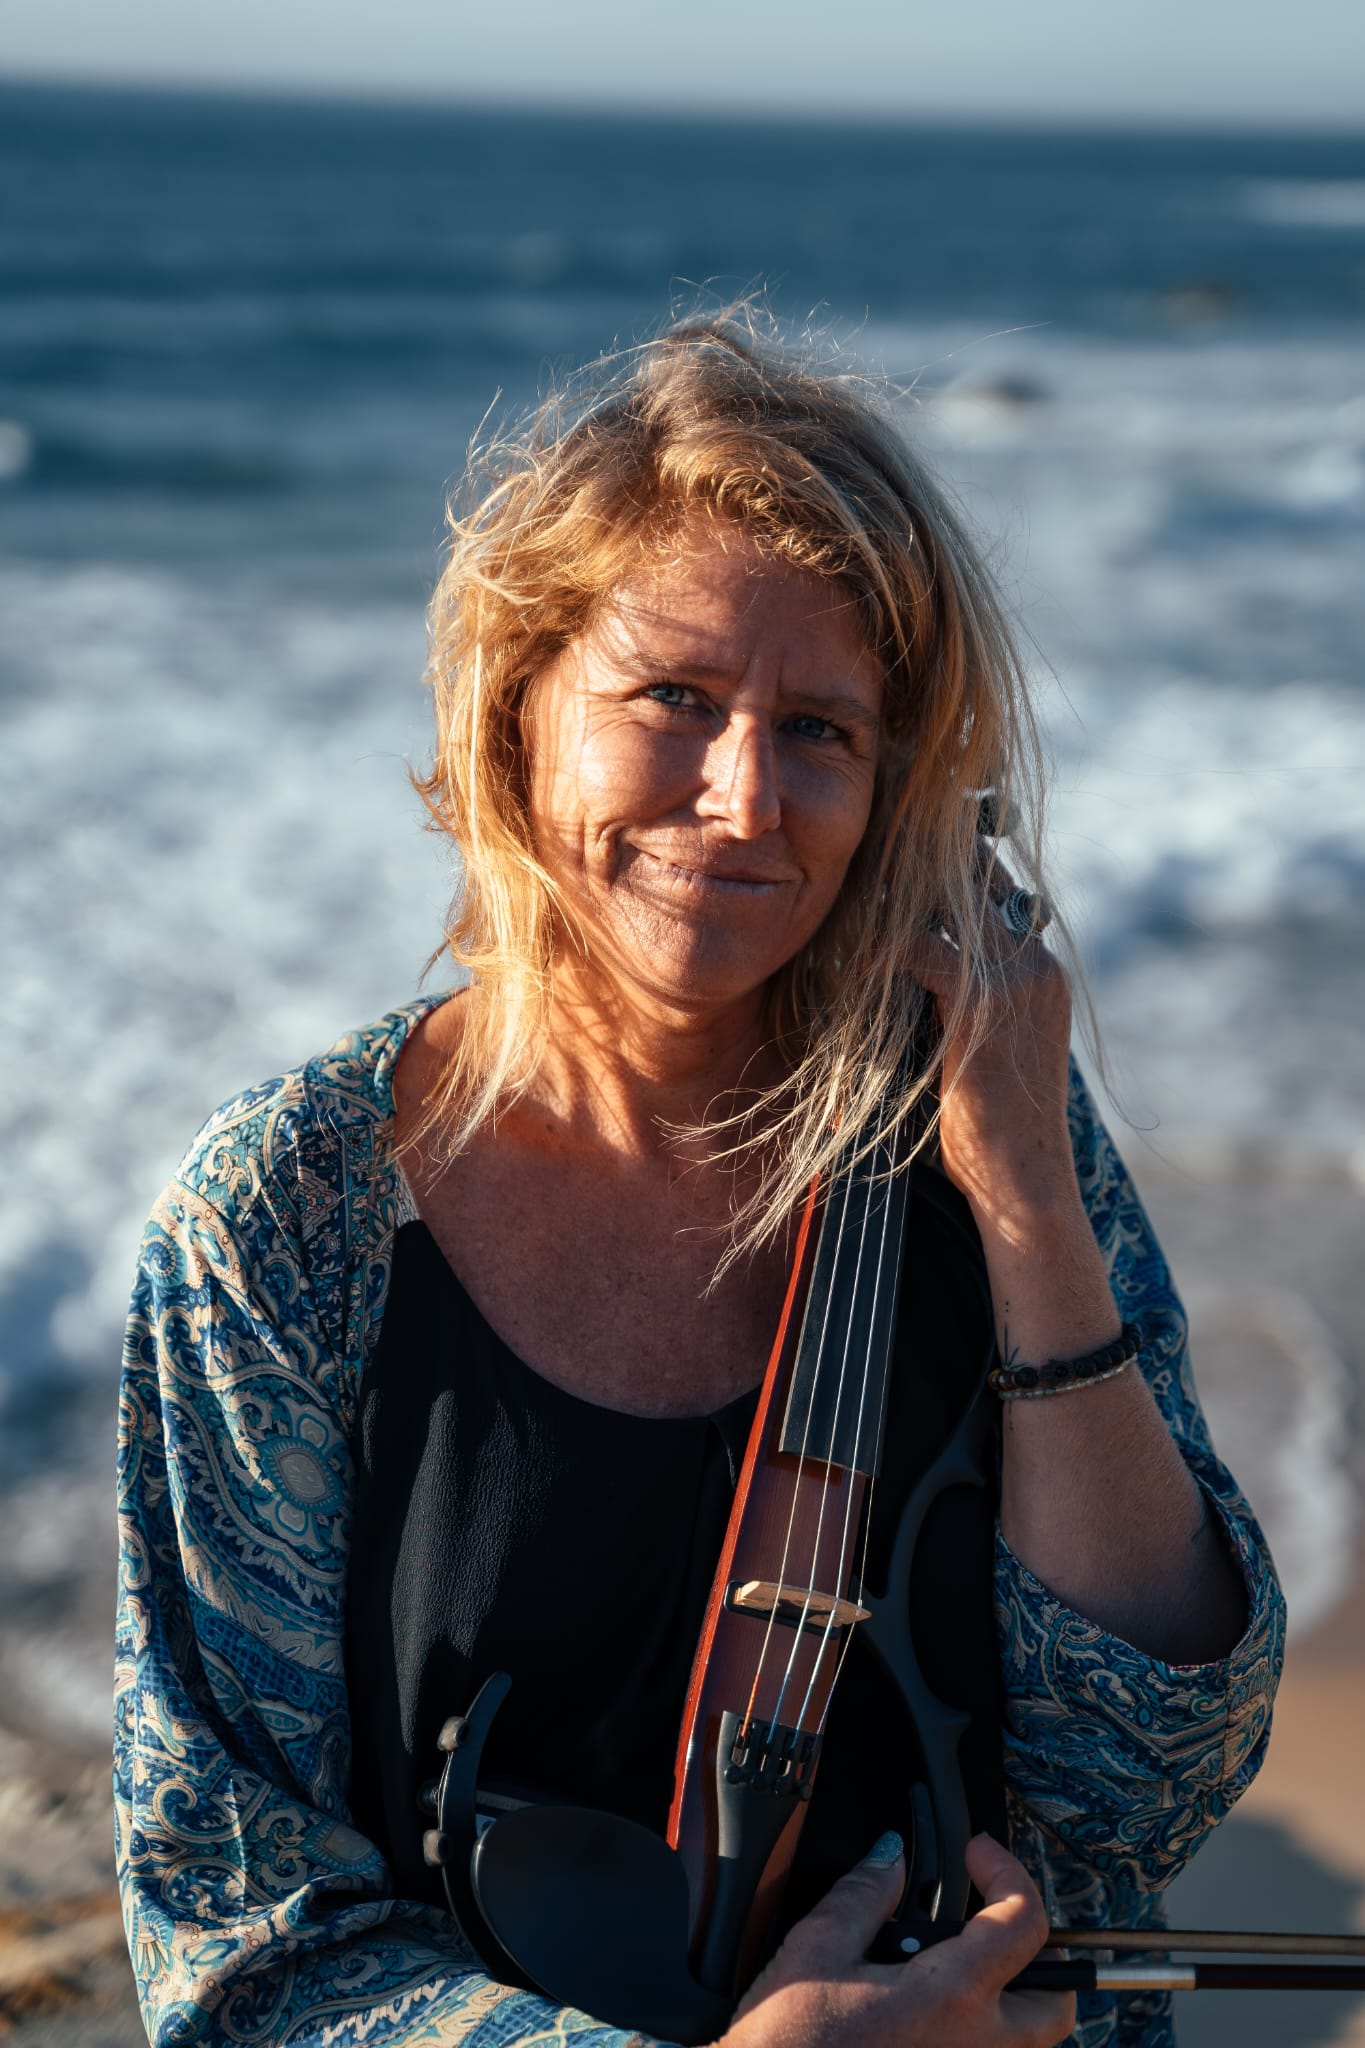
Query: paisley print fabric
255, 1911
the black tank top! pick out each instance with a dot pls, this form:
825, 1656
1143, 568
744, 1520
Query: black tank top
501, 1523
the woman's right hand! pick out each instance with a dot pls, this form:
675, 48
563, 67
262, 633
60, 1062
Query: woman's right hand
819, 1992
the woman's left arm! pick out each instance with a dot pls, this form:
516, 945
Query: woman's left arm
1098, 1497
1142, 1628
1119, 1759
1112, 1496
1098, 1500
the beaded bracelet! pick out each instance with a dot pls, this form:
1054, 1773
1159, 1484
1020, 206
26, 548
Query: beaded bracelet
1068, 1375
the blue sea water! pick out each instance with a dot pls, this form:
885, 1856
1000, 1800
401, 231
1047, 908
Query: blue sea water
243, 344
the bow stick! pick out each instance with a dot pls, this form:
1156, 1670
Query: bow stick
1205, 1941
1085, 1975
1088, 1976
1050, 1973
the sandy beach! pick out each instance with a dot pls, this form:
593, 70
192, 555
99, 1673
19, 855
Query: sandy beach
1268, 1254
1292, 1855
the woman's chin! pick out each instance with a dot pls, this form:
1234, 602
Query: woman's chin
697, 960
711, 976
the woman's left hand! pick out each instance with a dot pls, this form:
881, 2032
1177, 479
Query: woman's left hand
1003, 1129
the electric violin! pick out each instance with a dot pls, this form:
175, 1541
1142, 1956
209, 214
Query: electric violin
663, 1934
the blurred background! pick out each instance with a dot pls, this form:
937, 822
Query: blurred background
262, 273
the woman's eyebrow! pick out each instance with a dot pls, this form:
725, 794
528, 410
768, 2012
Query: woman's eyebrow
647, 664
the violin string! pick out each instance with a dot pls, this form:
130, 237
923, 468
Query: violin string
869, 1198
841, 1252
863, 1386
845, 1191
897, 1164
881, 1188
868, 1185
849, 1535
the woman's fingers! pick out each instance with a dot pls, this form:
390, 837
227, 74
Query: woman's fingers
818, 1992
936, 965
1011, 1926
1023, 914
796, 2000
964, 1979
1006, 1935
837, 1933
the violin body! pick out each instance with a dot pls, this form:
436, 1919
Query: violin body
663, 1936
764, 1671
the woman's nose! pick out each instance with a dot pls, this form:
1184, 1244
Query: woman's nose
741, 778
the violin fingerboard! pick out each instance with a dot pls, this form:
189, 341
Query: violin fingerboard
837, 1404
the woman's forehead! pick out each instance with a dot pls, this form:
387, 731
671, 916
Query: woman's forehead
715, 595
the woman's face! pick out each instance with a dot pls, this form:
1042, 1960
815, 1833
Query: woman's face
702, 766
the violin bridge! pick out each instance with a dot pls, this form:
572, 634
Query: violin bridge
797, 1606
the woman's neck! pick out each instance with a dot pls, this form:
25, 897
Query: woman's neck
625, 1076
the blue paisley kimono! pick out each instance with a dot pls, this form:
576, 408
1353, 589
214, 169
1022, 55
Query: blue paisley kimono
256, 1913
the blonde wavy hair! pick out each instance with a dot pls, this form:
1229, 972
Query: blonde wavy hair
722, 417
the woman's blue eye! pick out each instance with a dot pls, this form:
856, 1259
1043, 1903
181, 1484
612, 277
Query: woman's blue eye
807, 725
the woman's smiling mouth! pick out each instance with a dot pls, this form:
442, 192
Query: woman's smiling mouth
686, 878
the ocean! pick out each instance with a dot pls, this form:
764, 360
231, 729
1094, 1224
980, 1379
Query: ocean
243, 346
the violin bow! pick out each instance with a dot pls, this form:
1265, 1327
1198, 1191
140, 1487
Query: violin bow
1305, 1967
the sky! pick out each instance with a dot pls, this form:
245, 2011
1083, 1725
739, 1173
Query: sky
1204, 61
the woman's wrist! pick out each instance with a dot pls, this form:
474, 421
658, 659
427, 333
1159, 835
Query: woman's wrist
1034, 1196
1022, 1380
1048, 1281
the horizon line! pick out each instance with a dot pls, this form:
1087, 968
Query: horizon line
1303, 124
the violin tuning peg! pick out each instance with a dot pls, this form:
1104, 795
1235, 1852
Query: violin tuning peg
434, 1848
994, 819
426, 1798
452, 1733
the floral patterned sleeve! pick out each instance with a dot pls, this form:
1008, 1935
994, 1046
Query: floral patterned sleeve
255, 1912
1117, 1764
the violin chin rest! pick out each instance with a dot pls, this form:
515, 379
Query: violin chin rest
594, 1910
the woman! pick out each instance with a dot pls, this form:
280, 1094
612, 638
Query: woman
718, 684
